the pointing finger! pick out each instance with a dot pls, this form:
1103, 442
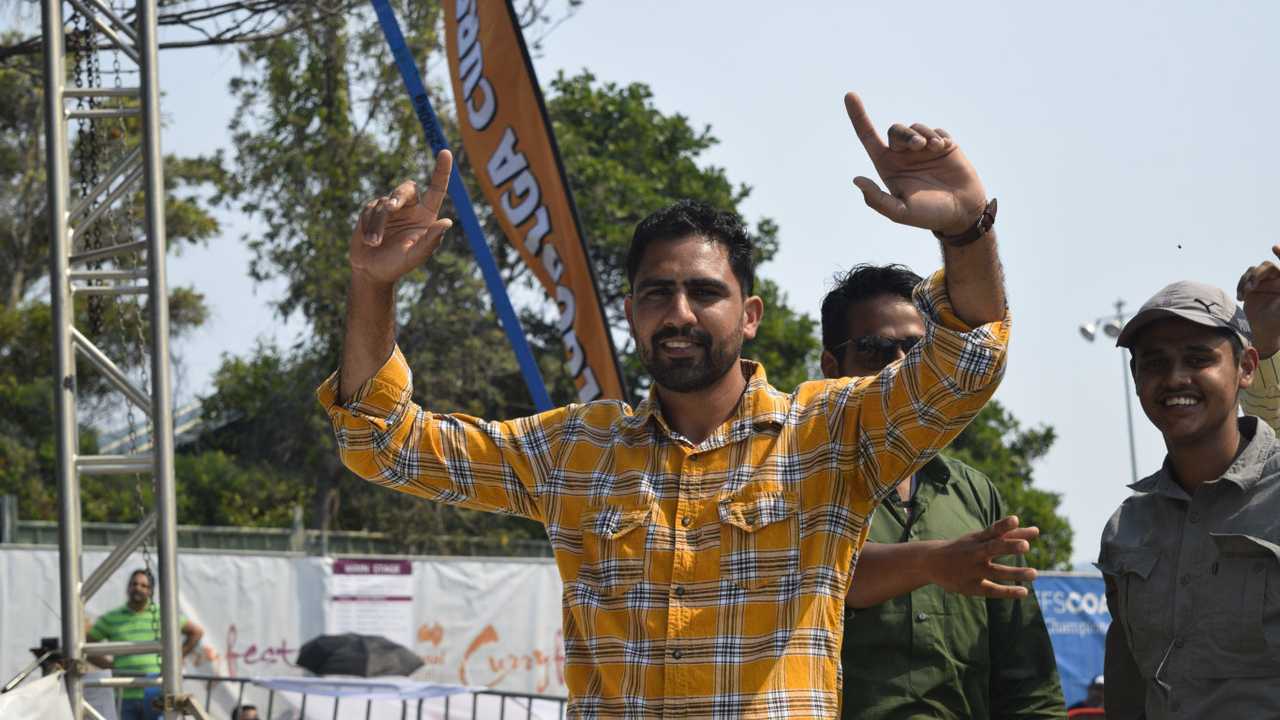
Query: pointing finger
862, 124
439, 185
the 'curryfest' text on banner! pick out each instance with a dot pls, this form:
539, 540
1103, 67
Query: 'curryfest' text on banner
505, 130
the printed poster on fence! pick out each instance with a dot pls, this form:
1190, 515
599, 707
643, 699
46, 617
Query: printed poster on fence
371, 596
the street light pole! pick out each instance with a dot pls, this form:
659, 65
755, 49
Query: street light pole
1128, 399
1111, 328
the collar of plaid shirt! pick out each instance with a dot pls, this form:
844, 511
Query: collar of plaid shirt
702, 581
760, 405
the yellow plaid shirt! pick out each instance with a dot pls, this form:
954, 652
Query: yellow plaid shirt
699, 581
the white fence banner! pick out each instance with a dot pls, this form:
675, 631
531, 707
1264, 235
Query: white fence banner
478, 622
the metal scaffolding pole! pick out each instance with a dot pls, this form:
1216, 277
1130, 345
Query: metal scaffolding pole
138, 43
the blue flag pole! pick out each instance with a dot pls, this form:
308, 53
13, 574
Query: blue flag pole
462, 204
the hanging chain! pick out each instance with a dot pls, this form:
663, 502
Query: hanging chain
83, 43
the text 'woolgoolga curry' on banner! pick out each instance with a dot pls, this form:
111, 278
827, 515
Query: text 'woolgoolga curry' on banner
506, 132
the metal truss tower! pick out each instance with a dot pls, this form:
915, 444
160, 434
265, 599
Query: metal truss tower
72, 274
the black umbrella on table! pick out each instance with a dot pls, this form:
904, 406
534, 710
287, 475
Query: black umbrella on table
361, 655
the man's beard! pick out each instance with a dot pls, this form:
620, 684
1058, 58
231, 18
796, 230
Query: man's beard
700, 371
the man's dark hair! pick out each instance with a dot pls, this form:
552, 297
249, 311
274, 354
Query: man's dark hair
235, 714
862, 282
151, 579
693, 217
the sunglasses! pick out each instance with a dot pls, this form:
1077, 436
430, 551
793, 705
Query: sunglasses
876, 348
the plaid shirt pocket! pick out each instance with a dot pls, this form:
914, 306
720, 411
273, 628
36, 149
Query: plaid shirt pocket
759, 537
613, 547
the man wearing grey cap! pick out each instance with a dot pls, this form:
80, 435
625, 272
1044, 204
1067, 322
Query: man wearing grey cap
1192, 558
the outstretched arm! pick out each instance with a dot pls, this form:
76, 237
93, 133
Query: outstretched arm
932, 185
382, 435
1259, 290
963, 565
394, 235
891, 424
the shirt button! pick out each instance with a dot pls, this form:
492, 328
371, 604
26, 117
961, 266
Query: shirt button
693, 457
922, 616
1179, 643
679, 591
1185, 580
1194, 518
677, 654
686, 521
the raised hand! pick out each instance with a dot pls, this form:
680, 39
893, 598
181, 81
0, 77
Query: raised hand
398, 232
1259, 290
966, 564
931, 184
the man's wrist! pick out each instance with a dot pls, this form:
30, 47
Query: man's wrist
364, 283
973, 228
933, 560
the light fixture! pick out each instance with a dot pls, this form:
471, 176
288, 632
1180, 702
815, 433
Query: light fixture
1111, 326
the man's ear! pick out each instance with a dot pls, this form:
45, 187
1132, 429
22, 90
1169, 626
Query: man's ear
631, 323
830, 366
1248, 366
752, 314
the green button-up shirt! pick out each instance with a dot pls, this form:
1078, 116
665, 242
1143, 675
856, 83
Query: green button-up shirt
937, 654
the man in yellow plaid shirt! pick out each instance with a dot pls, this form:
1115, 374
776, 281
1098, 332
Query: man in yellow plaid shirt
706, 538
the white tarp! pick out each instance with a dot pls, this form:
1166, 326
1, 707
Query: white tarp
43, 699
477, 622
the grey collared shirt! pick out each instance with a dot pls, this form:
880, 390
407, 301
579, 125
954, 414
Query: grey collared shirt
1193, 583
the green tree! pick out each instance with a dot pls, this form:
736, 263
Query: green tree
997, 445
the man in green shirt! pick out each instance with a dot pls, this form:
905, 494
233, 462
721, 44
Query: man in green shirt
929, 652
138, 620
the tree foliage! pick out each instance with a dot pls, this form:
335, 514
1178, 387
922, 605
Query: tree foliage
997, 445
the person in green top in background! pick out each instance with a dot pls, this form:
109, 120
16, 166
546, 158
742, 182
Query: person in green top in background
138, 620
930, 651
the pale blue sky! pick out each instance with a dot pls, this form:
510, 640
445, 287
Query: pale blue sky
1129, 145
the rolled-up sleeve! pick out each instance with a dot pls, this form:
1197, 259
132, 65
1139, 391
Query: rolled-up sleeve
887, 426
387, 439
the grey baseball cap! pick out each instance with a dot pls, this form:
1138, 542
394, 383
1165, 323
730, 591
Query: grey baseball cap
1197, 302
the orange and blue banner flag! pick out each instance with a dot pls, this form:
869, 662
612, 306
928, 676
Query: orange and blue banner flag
505, 129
